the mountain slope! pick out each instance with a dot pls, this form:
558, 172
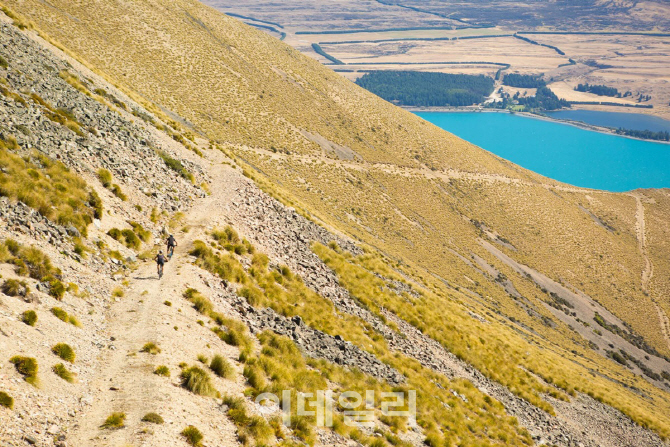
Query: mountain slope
489, 253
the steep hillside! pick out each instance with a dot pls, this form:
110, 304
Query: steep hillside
520, 309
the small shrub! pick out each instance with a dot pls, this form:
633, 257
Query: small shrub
73, 321
116, 190
14, 287
176, 166
259, 428
167, 303
197, 381
27, 367
105, 177
255, 377
95, 202
144, 235
63, 316
59, 313
61, 371
64, 351
57, 289
117, 292
6, 400
221, 367
115, 421
115, 234
131, 239
192, 435
162, 370
151, 348
29, 317
200, 303
154, 418
235, 337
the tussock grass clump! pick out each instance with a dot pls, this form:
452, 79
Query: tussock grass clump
47, 186
144, 235
64, 351
19, 21
127, 237
61, 116
74, 81
57, 289
115, 421
27, 367
226, 266
221, 367
200, 303
29, 317
15, 97
64, 316
14, 287
30, 261
203, 359
228, 239
61, 371
6, 400
193, 436
162, 370
176, 166
197, 381
153, 418
118, 192
151, 348
249, 427
95, 202
105, 177
234, 336
106, 180
118, 292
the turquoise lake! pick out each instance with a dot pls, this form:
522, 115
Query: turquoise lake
563, 152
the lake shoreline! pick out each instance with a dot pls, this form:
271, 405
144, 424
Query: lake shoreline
580, 124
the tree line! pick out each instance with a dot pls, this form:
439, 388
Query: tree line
645, 134
544, 99
523, 81
600, 90
427, 89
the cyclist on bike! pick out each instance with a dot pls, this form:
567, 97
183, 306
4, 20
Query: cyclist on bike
160, 262
171, 244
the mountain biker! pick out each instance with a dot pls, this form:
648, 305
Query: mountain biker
171, 244
160, 262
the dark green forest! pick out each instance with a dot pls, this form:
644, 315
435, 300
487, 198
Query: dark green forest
600, 90
544, 99
523, 81
646, 134
425, 89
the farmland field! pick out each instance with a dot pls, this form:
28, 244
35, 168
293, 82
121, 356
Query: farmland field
622, 44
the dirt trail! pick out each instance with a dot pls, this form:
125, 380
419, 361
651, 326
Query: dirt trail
126, 382
648, 272
423, 172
